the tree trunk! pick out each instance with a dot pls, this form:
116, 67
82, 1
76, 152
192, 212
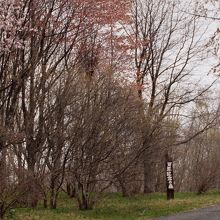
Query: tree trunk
2, 211
53, 202
53, 194
147, 176
85, 204
124, 190
45, 203
32, 195
70, 190
82, 198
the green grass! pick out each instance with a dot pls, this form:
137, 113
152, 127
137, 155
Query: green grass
114, 206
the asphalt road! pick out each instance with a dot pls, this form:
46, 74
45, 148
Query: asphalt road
210, 213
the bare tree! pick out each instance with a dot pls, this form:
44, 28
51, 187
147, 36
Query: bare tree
197, 161
98, 124
166, 42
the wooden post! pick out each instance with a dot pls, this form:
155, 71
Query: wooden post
169, 178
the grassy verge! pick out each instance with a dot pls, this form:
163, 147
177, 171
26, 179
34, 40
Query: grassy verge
114, 206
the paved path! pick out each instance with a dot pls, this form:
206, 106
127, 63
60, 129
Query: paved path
210, 213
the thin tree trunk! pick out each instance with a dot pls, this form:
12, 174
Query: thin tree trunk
147, 174
53, 197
